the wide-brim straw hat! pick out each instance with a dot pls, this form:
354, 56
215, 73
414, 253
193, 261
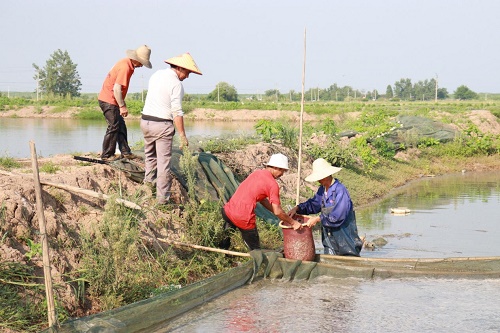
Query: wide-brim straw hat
185, 61
142, 55
321, 169
278, 161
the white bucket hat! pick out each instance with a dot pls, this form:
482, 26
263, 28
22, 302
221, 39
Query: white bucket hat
321, 169
185, 61
278, 161
141, 55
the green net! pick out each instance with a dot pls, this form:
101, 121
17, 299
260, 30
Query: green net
143, 316
414, 128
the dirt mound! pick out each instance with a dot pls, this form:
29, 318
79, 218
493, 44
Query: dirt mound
485, 121
253, 157
66, 213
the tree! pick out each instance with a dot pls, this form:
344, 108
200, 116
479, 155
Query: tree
388, 92
223, 92
403, 89
442, 93
59, 76
463, 92
273, 94
425, 90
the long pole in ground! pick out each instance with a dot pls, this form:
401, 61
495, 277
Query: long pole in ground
43, 234
297, 200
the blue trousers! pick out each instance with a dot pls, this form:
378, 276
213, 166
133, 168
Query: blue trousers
342, 240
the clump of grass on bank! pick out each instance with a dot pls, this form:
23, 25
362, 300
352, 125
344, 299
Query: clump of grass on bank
7, 162
116, 263
229, 144
22, 297
49, 167
89, 113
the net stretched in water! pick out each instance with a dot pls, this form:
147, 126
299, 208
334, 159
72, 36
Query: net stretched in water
147, 314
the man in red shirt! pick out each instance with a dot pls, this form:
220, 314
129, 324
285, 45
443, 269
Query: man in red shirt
260, 186
112, 102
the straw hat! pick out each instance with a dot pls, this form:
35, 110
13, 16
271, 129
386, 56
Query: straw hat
141, 55
321, 169
278, 161
185, 61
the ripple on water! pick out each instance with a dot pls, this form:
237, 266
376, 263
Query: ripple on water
350, 305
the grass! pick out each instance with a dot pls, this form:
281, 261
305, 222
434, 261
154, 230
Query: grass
89, 113
228, 144
24, 312
49, 167
7, 162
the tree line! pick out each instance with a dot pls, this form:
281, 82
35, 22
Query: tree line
59, 77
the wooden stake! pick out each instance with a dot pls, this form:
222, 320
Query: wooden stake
297, 200
45, 244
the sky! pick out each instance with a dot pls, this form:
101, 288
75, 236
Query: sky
260, 45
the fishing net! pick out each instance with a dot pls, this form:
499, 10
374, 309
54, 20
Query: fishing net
144, 316
414, 129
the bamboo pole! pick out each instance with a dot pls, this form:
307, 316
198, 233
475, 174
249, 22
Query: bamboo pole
45, 244
79, 190
199, 247
92, 194
297, 200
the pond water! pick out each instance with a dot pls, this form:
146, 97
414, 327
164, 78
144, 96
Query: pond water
69, 136
450, 216
349, 305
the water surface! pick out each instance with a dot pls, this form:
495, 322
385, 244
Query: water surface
349, 305
451, 216
69, 136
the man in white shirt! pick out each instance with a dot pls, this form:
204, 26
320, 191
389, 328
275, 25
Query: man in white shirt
162, 110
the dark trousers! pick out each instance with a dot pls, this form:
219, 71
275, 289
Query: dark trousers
250, 237
116, 131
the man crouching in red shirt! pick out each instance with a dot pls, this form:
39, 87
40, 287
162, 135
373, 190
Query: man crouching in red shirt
260, 186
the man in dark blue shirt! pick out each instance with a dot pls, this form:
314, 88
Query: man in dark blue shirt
339, 232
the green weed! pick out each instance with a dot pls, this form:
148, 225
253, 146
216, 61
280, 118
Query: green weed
8, 163
229, 144
35, 249
278, 130
49, 167
22, 299
89, 113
